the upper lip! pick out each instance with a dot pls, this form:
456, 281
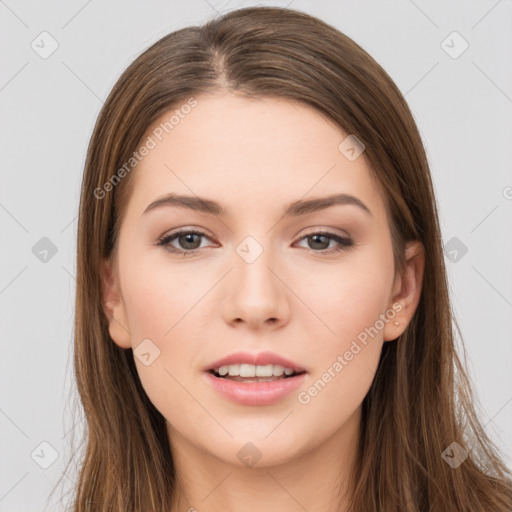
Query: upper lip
259, 359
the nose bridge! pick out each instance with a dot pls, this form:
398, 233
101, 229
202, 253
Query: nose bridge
256, 293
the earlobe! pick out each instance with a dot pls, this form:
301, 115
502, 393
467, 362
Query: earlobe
113, 306
407, 290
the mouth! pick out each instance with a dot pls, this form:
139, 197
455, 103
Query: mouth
263, 365
250, 385
250, 373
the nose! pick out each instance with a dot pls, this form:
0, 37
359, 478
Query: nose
255, 294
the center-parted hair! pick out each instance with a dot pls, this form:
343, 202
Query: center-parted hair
420, 400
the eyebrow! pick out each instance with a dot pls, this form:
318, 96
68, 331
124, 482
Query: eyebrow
294, 209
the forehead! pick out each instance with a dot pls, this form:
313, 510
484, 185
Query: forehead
255, 153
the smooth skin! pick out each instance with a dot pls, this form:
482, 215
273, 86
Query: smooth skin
254, 157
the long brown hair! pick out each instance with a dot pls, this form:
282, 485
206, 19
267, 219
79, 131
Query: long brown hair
420, 401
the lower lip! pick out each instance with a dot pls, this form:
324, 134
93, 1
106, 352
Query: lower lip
255, 393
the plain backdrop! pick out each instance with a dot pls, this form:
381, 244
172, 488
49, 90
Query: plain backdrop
458, 86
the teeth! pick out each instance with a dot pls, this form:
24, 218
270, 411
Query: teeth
250, 370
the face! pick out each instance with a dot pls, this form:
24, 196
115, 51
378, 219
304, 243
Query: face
315, 286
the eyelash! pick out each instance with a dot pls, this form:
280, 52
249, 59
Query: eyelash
345, 244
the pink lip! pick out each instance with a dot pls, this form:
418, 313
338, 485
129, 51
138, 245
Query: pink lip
254, 393
263, 358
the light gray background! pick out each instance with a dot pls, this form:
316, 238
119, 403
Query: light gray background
463, 107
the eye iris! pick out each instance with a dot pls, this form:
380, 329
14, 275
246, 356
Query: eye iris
313, 237
188, 235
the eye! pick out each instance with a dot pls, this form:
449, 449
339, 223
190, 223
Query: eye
320, 239
190, 242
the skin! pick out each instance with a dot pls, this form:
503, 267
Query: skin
254, 156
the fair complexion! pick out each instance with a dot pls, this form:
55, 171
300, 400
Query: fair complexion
254, 157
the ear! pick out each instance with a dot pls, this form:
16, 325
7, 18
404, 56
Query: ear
407, 290
113, 305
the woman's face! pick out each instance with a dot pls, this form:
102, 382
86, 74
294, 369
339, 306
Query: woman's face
258, 280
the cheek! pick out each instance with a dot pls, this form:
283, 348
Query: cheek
349, 338
159, 296
162, 302
159, 325
349, 297
344, 363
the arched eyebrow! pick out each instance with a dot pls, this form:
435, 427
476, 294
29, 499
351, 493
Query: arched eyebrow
294, 209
